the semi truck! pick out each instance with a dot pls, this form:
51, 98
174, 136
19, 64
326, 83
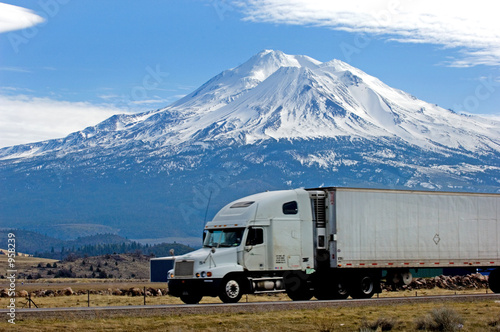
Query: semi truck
331, 243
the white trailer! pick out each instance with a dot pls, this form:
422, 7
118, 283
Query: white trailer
335, 242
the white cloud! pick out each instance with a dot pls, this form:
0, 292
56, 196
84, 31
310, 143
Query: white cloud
26, 119
471, 27
16, 18
158, 100
15, 69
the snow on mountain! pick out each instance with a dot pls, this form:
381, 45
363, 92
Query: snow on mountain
275, 121
278, 96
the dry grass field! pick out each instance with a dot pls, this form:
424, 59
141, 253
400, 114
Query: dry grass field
470, 316
24, 263
99, 300
122, 266
477, 316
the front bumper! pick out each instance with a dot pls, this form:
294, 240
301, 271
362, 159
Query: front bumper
205, 287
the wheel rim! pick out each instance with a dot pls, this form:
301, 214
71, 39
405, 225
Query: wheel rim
407, 278
232, 289
367, 285
341, 289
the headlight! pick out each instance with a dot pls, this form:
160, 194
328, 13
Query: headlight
203, 274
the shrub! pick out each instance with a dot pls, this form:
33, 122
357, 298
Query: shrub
64, 273
495, 323
71, 257
442, 319
385, 324
325, 326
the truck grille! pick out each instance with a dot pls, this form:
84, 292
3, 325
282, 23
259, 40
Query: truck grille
184, 269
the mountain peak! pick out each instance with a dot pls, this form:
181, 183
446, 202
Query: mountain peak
274, 95
277, 96
265, 63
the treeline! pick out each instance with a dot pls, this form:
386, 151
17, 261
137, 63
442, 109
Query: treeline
157, 250
40, 245
30, 242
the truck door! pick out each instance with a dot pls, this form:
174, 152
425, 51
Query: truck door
255, 253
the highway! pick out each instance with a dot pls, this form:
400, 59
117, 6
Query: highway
253, 307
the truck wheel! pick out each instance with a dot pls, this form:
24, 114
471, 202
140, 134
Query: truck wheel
301, 295
324, 291
494, 280
342, 291
230, 291
333, 289
363, 287
191, 298
297, 287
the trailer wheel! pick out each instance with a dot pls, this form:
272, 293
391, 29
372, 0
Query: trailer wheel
406, 277
363, 287
191, 298
230, 291
494, 280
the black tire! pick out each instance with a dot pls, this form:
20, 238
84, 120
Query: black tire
297, 286
494, 280
324, 292
341, 291
363, 287
231, 290
191, 298
333, 290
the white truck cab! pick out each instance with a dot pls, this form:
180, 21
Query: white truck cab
247, 248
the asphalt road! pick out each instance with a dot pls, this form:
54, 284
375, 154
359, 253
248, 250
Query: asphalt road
254, 307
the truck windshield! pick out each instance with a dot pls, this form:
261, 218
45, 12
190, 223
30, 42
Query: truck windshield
230, 237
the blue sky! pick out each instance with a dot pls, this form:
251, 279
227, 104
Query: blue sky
68, 64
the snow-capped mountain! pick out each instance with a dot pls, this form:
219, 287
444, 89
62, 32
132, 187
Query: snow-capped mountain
276, 121
279, 96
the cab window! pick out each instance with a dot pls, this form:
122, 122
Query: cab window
230, 237
255, 236
290, 208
